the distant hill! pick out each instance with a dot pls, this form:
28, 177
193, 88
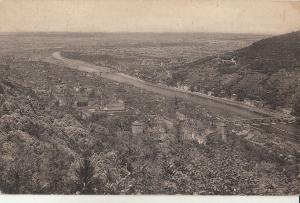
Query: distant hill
272, 54
267, 71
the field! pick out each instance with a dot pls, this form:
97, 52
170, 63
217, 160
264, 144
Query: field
167, 49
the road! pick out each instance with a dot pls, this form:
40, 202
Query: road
227, 109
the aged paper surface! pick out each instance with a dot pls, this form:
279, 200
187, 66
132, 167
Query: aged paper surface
149, 97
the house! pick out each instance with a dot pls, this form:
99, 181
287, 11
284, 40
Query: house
180, 116
80, 91
232, 61
59, 88
184, 87
190, 129
118, 105
258, 104
210, 93
233, 97
137, 128
286, 110
77, 89
201, 138
164, 125
249, 102
82, 102
60, 100
193, 130
221, 126
85, 114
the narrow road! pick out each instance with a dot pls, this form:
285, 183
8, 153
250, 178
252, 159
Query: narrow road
226, 108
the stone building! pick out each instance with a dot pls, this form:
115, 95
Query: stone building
221, 126
137, 128
82, 102
115, 105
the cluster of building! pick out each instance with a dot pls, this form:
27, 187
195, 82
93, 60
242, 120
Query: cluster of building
189, 129
226, 61
87, 100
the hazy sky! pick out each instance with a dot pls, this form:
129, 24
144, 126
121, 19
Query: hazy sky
150, 15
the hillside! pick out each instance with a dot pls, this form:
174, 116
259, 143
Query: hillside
272, 54
267, 71
46, 148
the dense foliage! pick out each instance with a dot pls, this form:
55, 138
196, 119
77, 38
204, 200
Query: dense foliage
53, 152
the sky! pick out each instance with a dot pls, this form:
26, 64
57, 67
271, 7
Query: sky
226, 16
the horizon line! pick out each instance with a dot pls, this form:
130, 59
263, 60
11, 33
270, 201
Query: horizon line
142, 32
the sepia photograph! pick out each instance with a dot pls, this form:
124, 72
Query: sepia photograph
149, 97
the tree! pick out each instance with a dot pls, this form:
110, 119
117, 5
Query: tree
5, 71
296, 107
69, 98
1, 89
85, 180
12, 185
241, 95
55, 171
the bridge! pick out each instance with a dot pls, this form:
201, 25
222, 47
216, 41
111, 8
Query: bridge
266, 120
269, 124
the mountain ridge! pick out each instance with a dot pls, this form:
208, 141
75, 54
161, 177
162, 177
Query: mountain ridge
268, 71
